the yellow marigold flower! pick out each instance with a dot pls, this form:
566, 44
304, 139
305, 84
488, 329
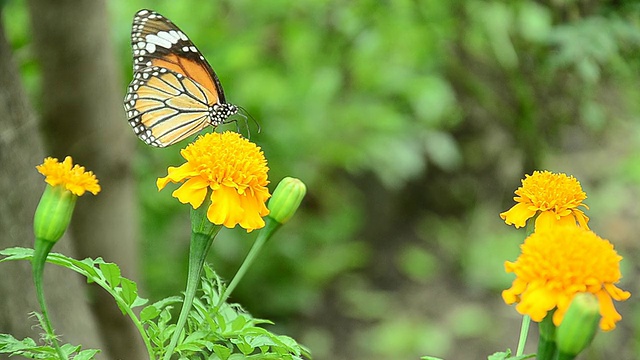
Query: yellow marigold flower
73, 178
66, 183
235, 170
557, 264
556, 197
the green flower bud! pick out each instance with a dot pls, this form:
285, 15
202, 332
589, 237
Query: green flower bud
286, 199
579, 324
53, 213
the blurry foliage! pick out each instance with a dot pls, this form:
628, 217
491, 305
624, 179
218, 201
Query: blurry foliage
433, 109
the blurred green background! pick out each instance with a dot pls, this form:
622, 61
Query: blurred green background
412, 123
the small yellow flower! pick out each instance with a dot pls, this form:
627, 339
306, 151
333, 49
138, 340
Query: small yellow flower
235, 170
65, 184
557, 264
556, 197
73, 178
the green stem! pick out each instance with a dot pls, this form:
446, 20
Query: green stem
524, 332
265, 233
563, 356
198, 249
122, 304
42, 249
547, 348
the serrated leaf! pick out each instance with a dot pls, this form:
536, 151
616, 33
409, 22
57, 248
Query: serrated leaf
507, 355
111, 273
243, 345
222, 352
87, 267
238, 323
148, 313
500, 355
86, 354
129, 291
16, 253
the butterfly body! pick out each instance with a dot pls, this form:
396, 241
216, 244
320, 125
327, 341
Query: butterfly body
174, 92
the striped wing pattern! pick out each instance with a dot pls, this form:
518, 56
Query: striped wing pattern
165, 107
174, 92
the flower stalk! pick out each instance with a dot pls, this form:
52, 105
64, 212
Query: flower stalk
42, 249
265, 234
547, 343
202, 234
65, 182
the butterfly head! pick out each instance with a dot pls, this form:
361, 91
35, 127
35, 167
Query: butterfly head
220, 112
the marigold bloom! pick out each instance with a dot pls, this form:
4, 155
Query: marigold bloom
235, 170
556, 197
73, 178
66, 183
557, 264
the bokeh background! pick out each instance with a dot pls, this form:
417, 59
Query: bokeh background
411, 122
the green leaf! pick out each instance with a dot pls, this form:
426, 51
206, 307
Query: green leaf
238, 323
129, 291
243, 345
111, 273
507, 355
29, 349
86, 354
221, 351
148, 313
16, 253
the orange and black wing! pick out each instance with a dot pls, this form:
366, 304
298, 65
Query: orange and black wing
156, 41
165, 107
174, 92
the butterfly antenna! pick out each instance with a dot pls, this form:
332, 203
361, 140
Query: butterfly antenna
246, 115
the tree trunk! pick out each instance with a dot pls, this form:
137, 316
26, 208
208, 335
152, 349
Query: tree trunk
21, 150
83, 117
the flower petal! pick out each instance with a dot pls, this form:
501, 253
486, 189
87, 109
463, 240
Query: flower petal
560, 261
517, 215
225, 208
236, 172
176, 175
193, 192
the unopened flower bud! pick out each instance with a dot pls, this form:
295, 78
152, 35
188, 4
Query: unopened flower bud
579, 324
53, 213
286, 199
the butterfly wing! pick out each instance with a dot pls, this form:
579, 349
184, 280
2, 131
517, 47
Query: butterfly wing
156, 41
175, 93
165, 107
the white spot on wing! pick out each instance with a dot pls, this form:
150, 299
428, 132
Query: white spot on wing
168, 37
157, 40
151, 48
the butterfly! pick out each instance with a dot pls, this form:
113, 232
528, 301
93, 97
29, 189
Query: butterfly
174, 92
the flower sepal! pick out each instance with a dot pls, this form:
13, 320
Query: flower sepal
200, 224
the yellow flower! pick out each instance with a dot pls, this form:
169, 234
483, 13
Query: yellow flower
235, 170
66, 183
556, 197
557, 264
74, 179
